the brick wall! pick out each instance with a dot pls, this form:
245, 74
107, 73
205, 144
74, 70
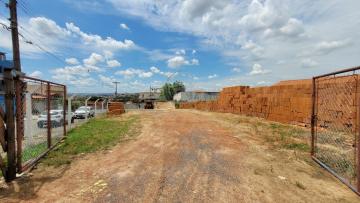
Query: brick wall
286, 102
116, 108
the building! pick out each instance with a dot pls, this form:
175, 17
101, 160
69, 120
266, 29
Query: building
195, 96
149, 96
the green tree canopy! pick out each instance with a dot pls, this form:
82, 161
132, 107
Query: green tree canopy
169, 90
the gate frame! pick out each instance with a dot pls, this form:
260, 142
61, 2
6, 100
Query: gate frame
29, 164
357, 131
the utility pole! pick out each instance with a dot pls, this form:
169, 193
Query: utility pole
116, 85
15, 34
18, 91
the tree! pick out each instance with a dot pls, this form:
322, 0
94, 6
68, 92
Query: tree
169, 90
178, 87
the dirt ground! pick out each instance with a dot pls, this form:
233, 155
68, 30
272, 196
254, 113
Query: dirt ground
183, 156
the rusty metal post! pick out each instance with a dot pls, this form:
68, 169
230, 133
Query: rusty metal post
64, 107
19, 122
48, 115
10, 125
313, 117
358, 137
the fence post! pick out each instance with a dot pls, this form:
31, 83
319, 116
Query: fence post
95, 109
102, 106
28, 124
69, 112
358, 137
64, 111
86, 104
313, 117
48, 115
10, 125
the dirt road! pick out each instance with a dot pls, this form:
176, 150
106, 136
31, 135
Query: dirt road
184, 156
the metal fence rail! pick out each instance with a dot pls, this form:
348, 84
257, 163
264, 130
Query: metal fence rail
335, 125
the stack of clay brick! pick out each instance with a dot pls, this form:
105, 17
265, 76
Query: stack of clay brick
286, 102
116, 108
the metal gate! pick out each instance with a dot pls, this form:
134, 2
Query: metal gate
31, 123
44, 119
335, 125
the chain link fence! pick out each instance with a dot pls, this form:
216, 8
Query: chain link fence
336, 125
48, 114
44, 117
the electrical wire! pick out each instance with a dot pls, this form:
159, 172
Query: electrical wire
40, 46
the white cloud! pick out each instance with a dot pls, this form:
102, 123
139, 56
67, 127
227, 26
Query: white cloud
294, 27
72, 61
256, 50
124, 26
36, 74
178, 61
212, 76
257, 69
193, 51
237, 70
263, 15
107, 81
195, 62
108, 54
275, 30
155, 69
326, 47
261, 83
99, 42
45, 32
180, 52
131, 72
93, 59
113, 63
308, 63
47, 28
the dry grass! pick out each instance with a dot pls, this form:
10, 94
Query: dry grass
275, 134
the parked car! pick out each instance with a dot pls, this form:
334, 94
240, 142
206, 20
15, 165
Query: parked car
84, 111
56, 119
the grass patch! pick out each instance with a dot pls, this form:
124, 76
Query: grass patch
34, 151
97, 134
297, 146
287, 137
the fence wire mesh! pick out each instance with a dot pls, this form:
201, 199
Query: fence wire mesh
57, 113
43, 108
336, 126
35, 132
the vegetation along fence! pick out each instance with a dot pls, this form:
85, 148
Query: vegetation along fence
335, 125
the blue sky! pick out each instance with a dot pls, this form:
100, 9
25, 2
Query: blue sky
207, 44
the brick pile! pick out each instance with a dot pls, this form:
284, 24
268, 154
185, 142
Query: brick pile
286, 102
116, 108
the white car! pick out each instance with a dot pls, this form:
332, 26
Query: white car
84, 111
56, 119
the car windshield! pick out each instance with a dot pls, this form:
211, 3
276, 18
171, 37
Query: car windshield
82, 108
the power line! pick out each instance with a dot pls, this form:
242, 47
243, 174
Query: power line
31, 42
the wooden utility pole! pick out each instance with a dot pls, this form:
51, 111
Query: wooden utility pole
15, 34
17, 82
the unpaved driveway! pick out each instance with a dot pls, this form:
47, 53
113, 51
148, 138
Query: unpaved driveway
183, 156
